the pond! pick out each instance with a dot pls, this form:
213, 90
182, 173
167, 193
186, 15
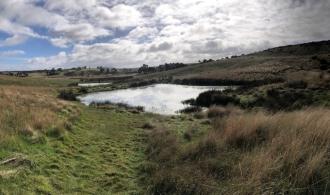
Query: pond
92, 84
159, 98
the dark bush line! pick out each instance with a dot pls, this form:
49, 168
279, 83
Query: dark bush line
297, 84
68, 94
191, 109
274, 99
144, 83
71, 94
226, 82
122, 105
103, 79
151, 82
323, 63
208, 98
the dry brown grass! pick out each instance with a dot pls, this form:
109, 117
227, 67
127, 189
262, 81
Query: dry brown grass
284, 152
247, 153
29, 110
219, 111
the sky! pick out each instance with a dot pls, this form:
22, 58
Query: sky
42, 34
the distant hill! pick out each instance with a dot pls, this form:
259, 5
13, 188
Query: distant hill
311, 48
308, 61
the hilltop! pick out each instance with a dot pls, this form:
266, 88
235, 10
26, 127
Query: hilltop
294, 62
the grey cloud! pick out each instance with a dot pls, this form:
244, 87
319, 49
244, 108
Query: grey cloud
161, 47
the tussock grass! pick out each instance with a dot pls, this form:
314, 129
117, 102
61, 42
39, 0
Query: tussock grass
246, 153
293, 152
218, 111
31, 110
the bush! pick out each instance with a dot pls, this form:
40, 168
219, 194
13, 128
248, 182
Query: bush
191, 109
297, 84
215, 111
83, 90
208, 98
148, 125
324, 64
67, 95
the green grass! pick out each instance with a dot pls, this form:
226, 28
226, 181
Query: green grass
101, 155
36, 81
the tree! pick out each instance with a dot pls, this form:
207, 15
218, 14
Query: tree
51, 72
114, 70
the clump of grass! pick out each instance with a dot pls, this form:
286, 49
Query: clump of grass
296, 148
218, 111
250, 153
200, 115
165, 174
148, 125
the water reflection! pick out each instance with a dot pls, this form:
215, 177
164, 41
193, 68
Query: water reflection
92, 84
160, 98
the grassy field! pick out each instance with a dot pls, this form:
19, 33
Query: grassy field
100, 154
271, 138
51, 146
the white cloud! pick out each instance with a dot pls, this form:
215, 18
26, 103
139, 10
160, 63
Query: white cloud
119, 16
161, 31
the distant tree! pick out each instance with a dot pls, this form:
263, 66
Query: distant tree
51, 72
143, 69
114, 70
101, 69
22, 74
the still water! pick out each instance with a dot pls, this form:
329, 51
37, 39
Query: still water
92, 84
159, 98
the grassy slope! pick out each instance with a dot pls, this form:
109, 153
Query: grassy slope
100, 153
36, 81
288, 62
100, 156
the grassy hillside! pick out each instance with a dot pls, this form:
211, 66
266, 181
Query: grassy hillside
287, 63
262, 138
51, 146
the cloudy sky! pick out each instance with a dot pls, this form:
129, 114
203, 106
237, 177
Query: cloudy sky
39, 34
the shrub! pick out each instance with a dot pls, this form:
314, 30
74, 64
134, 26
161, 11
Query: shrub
148, 125
209, 98
55, 131
297, 84
83, 90
67, 95
191, 109
215, 111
